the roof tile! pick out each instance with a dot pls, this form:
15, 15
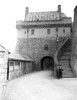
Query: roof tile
40, 16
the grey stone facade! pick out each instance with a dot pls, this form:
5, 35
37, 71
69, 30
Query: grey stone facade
34, 45
35, 48
74, 43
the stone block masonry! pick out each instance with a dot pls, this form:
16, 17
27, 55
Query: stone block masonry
74, 43
3, 69
35, 47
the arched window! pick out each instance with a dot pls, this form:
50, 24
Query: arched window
46, 47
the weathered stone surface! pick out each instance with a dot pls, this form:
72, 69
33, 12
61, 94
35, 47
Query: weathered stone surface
74, 43
34, 47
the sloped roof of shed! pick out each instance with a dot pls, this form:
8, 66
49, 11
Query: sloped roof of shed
16, 56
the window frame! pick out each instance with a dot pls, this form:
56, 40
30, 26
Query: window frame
46, 47
32, 32
11, 66
63, 30
48, 31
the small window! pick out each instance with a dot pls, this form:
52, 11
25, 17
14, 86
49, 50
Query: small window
48, 31
32, 32
46, 47
17, 65
25, 32
56, 29
63, 30
11, 65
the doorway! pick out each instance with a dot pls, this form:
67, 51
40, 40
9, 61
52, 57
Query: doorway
47, 63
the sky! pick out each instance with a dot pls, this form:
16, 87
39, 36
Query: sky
13, 10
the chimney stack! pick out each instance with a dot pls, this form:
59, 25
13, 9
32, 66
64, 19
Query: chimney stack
59, 11
59, 8
26, 11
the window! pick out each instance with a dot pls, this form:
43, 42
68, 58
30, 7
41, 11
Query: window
32, 32
48, 31
17, 65
56, 29
11, 65
63, 30
46, 47
25, 32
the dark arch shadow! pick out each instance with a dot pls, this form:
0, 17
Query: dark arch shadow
47, 62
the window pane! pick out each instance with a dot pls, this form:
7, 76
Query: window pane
17, 65
11, 65
63, 30
48, 31
32, 32
56, 29
46, 47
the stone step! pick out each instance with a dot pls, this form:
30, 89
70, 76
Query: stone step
64, 61
66, 68
65, 57
68, 50
67, 54
68, 74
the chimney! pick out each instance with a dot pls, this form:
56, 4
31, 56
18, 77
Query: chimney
59, 8
59, 11
26, 11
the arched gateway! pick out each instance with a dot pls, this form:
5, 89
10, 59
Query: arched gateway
47, 63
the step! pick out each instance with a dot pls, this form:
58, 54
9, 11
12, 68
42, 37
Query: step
66, 68
66, 53
68, 50
65, 57
68, 74
64, 61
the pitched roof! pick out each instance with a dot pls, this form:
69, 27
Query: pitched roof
41, 16
4, 48
16, 56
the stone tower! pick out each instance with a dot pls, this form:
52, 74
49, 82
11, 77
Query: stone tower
74, 43
41, 34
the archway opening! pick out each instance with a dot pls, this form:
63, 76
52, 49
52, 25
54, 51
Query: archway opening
47, 63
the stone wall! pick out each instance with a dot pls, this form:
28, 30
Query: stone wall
74, 43
3, 65
34, 47
42, 32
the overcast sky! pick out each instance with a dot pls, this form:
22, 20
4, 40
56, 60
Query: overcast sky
12, 10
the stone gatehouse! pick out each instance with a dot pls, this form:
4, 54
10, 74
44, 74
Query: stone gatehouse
41, 34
